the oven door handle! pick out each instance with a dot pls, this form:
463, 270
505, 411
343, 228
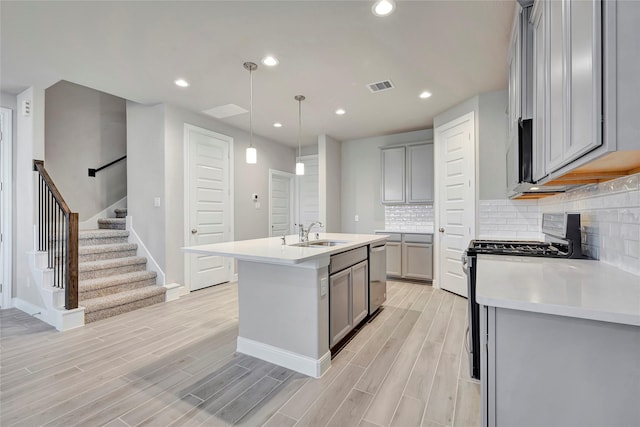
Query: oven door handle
465, 263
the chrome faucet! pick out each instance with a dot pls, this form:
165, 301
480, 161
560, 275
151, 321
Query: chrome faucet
306, 234
301, 234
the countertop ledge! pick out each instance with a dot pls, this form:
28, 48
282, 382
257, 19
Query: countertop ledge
586, 289
271, 250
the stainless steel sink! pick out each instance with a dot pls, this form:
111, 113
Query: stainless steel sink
319, 243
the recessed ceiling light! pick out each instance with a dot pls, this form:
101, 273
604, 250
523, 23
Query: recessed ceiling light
383, 7
534, 188
425, 95
182, 83
340, 111
270, 61
277, 125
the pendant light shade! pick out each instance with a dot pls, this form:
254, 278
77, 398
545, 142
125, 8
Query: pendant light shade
252, 153
299, 164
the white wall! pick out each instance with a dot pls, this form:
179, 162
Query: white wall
10, 101
146, 175
329, 178
361, 176
85, 128
30, 146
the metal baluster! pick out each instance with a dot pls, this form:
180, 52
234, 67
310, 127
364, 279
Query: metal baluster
39, 212
49, 228
55, 242
63, 255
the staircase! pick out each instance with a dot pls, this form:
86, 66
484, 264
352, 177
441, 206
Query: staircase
112, 279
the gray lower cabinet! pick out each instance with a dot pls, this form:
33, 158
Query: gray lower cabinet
394, 259
348, 293
550, 370
417, 261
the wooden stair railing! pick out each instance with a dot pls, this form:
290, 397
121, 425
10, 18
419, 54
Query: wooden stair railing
58, 236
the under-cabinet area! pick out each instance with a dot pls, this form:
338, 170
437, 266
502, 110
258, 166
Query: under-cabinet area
409, 255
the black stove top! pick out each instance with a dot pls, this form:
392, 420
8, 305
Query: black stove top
519, 248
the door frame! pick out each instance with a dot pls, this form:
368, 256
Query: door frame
292, 195
6, 215
437, 135
187, 202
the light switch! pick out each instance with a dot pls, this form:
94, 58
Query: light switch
156, 202
324, 286
356, 218
257, 205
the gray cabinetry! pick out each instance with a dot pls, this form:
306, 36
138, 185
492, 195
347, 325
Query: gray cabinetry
557, 371
407, 174
348, 292
410, 256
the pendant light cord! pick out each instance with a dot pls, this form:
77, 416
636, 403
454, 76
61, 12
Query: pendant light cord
299, 129
250, 107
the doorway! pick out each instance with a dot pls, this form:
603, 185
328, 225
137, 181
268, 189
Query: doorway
6, 138
208, 204
455, 142
281, 192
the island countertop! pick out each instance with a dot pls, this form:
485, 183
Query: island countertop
586, 289
271, 250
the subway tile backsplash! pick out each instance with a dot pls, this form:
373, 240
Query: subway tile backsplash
610, 216
408, 217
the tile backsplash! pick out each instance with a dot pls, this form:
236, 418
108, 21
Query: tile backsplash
408, 217
610, 217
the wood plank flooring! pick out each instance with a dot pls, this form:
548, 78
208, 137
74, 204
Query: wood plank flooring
175, 364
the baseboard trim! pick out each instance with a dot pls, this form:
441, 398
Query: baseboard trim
61, 319
174, 290
288, 359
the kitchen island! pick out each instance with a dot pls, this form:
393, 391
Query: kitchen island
283, 296
560, 340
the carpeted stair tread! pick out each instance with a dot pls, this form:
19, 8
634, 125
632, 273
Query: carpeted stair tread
118, 279
109, 247
121, 298
110, 263
101, 234
112, 223
121, 212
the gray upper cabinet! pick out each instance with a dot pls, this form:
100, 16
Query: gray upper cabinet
393, 175
539, 92
407, 174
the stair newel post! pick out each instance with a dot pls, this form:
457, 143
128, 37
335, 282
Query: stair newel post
71, 294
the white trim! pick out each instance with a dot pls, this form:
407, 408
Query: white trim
290, 176
185, 223
304, 364
92, 222
61, 319
6, 217
152, 265
174, 290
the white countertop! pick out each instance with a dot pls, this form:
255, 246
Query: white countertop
271, 250
422, 231
585, 289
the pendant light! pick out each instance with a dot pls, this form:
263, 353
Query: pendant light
252, 154
299, 164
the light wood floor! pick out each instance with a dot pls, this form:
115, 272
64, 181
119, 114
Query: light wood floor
174, 364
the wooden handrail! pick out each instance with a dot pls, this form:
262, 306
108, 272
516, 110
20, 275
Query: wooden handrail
38, 166
58, 236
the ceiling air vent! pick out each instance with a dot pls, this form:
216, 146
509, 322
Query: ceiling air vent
380, 86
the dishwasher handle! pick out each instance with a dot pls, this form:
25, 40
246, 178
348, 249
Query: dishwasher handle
379, 248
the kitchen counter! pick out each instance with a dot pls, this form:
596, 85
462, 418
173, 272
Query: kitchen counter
271, 250
424, 231
586, 289
283, 297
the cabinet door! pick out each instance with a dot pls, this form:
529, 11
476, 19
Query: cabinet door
359, 292
514, 81
417, 261
420, 173
393, 175
539, 91
339, 306
556, 88
584, 77
394, 259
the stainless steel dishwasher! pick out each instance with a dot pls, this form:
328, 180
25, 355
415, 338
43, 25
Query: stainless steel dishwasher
377, 276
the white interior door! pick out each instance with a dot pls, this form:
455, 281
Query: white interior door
6, 137
308, 186
456, 202
280, 202
209, 204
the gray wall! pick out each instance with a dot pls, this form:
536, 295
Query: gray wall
329, 178
85, 128
146, 175
361, 179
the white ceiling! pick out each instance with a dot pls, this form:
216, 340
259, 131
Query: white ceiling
328, 51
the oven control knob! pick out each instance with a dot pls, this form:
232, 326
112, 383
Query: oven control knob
441, 229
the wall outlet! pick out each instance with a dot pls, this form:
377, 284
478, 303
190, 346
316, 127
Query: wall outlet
254, 197
156, 202
324, 286
356, 218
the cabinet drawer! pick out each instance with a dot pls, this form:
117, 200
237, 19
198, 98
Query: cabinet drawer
418, 238
347, 259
